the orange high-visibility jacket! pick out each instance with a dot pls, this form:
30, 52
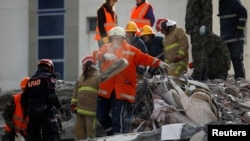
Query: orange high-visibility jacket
138, 13
110, 23
17, 119
124, 83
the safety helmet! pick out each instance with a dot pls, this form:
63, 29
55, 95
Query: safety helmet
147, 30
88, 58
48, 63
158, 24
23, 82
117, 31
167, 24
131, 27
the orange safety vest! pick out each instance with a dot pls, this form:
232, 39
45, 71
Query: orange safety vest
110, 23
124, 83
17, 119
138, 13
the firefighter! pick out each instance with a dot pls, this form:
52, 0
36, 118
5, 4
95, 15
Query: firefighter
13, 116
134, 40
83, 101
143, 14
154, 45
121, 87
40, 103
175, 46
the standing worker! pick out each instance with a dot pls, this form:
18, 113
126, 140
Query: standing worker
121, 87
143, 14
175, 46
13, 116
40, 103
199, 23
134, 40
233, 18
83, 102
106, 19
154, 45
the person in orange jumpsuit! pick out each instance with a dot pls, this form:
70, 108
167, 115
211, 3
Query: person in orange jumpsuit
120, 88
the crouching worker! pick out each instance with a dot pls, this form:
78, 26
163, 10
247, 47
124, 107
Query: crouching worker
83, 102
13, 116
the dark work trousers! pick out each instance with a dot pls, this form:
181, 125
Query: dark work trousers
105, 107
236, 50
43, 126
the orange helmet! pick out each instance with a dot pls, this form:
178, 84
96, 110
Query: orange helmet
23, 82
147, 30
131, 27
48, 63
88, 58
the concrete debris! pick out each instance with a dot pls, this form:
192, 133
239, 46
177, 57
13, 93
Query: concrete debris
227, 102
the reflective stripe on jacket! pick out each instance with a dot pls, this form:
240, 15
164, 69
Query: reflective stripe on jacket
138, 14
85, 94
124, 83
110, 23
17, 118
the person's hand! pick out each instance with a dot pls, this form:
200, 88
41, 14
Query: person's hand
190, 65
203, 30
109, 57
73, 108
177, 59
163, 65
105, 40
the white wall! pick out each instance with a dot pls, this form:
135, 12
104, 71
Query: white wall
13, 42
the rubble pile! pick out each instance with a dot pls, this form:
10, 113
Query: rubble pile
228, 100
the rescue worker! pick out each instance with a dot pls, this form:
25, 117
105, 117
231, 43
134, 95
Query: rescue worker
218, 57
13, 116
106, 19
84, 97
40, 103
143, 14
121, 87
134, 40
233, 18
154, 45
176, 46
198, 23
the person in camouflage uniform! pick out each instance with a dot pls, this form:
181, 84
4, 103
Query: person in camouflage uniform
218, 57
198, 23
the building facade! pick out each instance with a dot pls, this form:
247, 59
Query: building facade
63, 30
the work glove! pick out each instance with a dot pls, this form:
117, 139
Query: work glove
190, 65
238, 33
177, 59
73, 108
203, 30
109, 57
105, 40
164, 66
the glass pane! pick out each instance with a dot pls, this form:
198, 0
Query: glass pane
58, 67
51, 48
51, 25
50, 4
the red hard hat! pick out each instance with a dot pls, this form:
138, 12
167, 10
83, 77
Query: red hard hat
158, 24
88, 58
48, 63
23, 82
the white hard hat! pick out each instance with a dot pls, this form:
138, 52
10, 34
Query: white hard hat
117, 31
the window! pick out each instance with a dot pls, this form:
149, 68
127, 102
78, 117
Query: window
91, 24
51, 32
